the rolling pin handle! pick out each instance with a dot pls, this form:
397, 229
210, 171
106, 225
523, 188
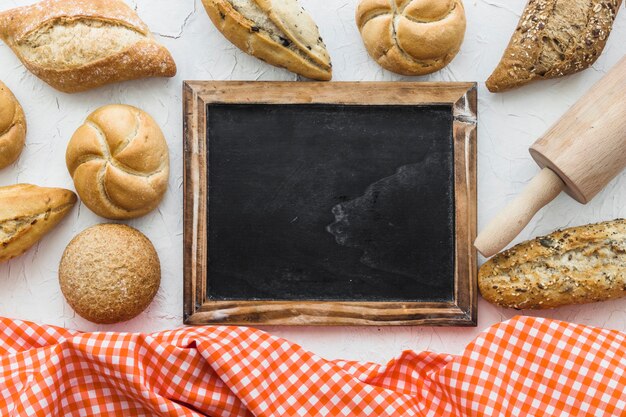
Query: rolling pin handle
511, 221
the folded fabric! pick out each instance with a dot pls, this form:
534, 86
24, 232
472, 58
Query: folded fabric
524, 366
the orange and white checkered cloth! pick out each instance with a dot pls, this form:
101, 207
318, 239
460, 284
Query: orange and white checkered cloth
522, 367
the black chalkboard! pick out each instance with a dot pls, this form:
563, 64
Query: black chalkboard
330, 202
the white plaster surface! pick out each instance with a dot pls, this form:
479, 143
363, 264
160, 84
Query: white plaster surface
508, 124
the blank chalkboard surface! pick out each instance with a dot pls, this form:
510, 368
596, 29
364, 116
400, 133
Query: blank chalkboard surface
327, 204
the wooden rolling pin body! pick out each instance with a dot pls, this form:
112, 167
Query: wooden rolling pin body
580, 154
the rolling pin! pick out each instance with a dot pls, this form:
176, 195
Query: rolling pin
579, 154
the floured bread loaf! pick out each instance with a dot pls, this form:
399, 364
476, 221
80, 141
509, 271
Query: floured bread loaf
76, 45
572, 266
12, 127
119, 161
554, 38
279, 32
27, 212
412, 37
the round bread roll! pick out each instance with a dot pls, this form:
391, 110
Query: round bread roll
119, 162
412, 37
109, 273
12, 127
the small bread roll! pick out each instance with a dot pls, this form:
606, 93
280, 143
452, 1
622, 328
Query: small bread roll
412, 37
12, 127
27, 213
119, 161
279, 32
76, 45
109, 273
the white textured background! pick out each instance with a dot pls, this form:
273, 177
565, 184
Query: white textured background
508, 124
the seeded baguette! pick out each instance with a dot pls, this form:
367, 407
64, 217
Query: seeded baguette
572, 266
279, 32
554, 38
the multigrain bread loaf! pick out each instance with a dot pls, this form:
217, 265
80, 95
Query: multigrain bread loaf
412, 37
27, 212
109, 273
572, 266
279, 32
554, 38
12, 127
76, 45
119, 161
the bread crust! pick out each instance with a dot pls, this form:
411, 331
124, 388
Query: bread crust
551, 41
572, 266
145, 58
12, 127
412, 37
27, 213
119, 161
254, 40
109, 273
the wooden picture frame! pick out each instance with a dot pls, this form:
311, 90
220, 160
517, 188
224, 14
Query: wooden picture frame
462, 100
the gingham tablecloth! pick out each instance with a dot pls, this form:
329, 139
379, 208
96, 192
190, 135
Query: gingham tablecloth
525, 366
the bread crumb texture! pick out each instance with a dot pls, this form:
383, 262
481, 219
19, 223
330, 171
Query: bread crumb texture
109, 273
572, 266
65, 44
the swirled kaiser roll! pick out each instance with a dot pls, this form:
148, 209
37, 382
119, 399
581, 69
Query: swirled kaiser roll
119, 161
412, 37
12, 127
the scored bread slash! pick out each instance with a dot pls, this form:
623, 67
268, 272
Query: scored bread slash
76, 45
279, 32
572, 266
27, 213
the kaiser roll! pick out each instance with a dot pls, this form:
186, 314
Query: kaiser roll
12, 127
109, 273
119, 162
412, 37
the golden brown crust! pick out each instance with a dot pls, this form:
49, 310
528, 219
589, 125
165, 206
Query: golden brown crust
109, 273
572, 266
119, 161
254, 40
554, 38
12, 127
412, 37
27, 213
144, 58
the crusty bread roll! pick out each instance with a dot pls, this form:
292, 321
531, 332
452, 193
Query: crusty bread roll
279, 32
554, 38
119, 161
109, 273
12, 127
76, 45
28, 212
412, 37
572, 266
